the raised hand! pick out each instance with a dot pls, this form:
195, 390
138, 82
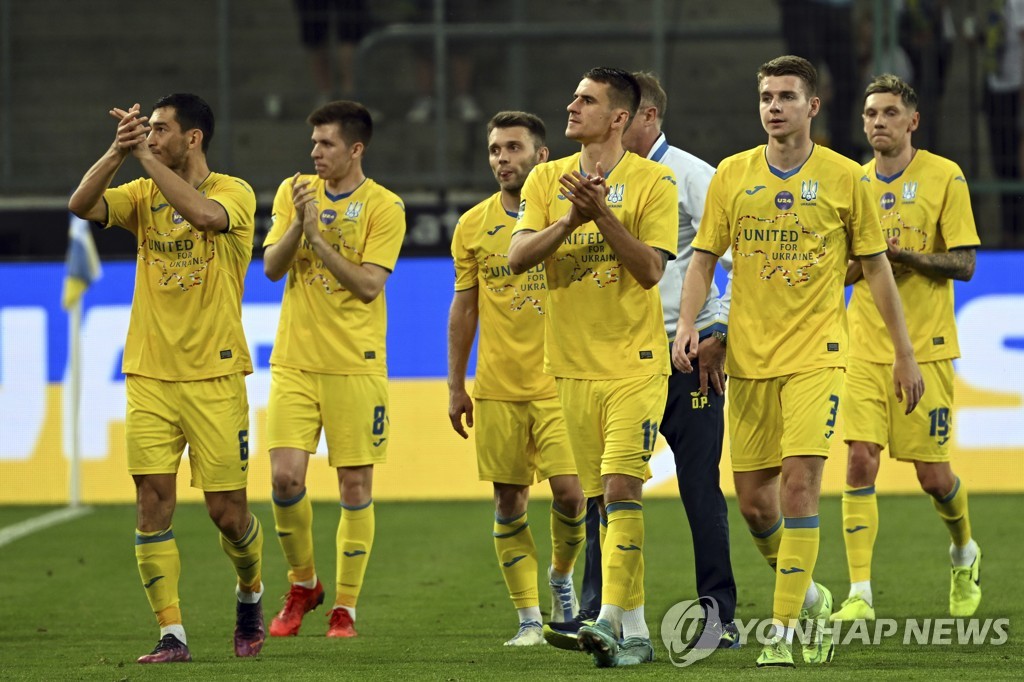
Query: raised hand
132, 129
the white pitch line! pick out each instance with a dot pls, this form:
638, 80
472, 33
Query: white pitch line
20, 530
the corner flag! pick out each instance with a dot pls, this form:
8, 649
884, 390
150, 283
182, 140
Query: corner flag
83, 263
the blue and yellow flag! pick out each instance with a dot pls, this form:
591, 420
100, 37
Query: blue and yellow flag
83, 263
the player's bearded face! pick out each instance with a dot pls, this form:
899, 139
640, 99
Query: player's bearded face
166, 139
512, 154
887, 122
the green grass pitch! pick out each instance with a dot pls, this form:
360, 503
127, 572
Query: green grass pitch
434, 605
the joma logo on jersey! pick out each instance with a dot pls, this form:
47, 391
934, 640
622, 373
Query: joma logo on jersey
354, 209
909, 191
809, 190
615, 193
328, 216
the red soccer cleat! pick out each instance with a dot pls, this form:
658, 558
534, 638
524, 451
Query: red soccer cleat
249, 632
300, 601
169, 649
341, 624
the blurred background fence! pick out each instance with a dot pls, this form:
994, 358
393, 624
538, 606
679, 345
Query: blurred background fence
433, 72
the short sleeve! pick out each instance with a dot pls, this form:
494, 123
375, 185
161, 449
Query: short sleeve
956, 221
715, 233
865, 228
466, 267
386, 233
282, 214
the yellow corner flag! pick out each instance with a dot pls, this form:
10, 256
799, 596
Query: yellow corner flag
83, 263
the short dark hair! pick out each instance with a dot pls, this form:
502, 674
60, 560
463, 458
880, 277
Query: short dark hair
893, 85
354, 121
651, 92
523, 119
623, 89
791, 65
191, 112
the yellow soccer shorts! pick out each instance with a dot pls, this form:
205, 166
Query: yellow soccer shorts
613, 425
352, 409
872, 414
210, 415
770, 419
521, 442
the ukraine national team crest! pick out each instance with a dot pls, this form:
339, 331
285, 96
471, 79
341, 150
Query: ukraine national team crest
809, 190
353, 210
615, 193
909, 191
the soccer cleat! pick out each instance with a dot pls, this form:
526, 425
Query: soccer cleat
965, 589
730, 638
530, 634
854, 608
169, 649
249, 631
599, 641
566, 635
818, 646
297, 603
341, 623
776, 654
564, 605
634, 651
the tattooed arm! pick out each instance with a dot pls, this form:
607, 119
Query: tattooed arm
955, 264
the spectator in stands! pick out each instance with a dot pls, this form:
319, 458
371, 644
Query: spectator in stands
464, 104
350, 20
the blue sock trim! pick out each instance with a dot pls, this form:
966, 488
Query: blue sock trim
952, 493
870, 490
346, 507
161, 536
802, 521
288, 502
251, 533
604, 521
517, 531
622, 506
767, 533
507, 521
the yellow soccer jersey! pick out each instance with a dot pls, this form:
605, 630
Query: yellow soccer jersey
186, 319
791, 235
324, 327
601, 324
928, 207
510, 355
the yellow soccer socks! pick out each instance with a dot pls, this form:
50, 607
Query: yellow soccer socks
160, 568
517, 558
798, 552
953, 510
622, 556
246, 554
356, 529
567, 536
293, 521
860, 528
767, 542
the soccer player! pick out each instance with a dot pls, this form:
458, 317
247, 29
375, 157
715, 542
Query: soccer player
337, 235
792, 212
694, 419
926, 216
521, 435
603, 222
185, 358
